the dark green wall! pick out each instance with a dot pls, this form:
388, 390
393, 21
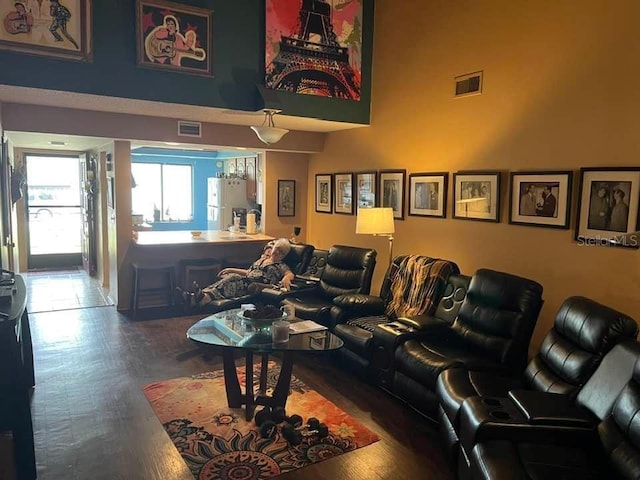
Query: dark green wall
238, 63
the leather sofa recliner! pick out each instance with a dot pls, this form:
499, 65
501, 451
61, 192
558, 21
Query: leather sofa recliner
583, 332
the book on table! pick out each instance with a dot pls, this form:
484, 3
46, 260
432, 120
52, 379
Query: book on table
305, 326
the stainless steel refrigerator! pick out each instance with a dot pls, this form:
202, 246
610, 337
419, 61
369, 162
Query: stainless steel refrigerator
226, 198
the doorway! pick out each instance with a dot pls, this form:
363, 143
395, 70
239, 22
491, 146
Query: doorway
54, 211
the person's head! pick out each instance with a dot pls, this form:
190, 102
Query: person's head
531, 188
280, 249
171, 23
20, 8
618, 195
266, 251
602, 192
547, 190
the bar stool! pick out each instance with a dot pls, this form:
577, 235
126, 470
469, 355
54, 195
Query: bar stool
153, 281
203, 271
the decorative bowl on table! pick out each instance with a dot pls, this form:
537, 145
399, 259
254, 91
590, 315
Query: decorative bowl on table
265, 314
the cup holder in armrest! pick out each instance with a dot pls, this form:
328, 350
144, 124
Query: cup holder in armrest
500, 415
492, 402
399, 327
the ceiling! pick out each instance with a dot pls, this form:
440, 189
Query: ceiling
81, 101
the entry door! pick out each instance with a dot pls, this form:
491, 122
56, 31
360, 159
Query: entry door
54, 211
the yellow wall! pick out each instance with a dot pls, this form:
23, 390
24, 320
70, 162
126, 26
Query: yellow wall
285, 166
558, 94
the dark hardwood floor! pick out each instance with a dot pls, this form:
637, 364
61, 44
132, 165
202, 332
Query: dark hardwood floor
92, 421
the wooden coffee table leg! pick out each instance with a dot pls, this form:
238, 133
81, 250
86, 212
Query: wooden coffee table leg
264, 368
281, 392
249, 397
231, 382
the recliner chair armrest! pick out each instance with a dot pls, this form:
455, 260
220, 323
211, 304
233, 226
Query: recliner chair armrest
276, 295
423, 323
544, 408
364, 305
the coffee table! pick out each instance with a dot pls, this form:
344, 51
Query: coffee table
229, 331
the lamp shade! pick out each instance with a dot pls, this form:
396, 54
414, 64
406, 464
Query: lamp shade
270, 135
375, 221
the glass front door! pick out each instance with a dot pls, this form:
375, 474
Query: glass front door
54, 211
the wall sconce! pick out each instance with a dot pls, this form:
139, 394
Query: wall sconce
268, 132
378, 222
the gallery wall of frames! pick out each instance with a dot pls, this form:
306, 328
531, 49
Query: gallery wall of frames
605, 201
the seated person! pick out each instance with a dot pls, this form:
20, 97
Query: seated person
269, 269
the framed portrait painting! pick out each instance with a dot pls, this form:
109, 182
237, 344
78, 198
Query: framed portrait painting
173, 36
428, 194
324, 198
343, 197
55, 28
608, 206
476, 196
286, 198
541, 199
366, 188
392, 191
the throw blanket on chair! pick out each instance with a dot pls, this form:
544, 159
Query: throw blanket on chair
418, 285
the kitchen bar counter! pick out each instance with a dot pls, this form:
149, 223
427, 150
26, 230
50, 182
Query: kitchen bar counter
208, 237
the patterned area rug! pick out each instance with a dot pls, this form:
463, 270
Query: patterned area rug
217, 442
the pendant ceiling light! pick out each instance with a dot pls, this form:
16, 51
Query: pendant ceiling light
268, 132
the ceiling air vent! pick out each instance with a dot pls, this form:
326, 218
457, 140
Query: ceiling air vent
189, 129
470, 84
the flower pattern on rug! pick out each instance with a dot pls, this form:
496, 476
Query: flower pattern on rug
217, 442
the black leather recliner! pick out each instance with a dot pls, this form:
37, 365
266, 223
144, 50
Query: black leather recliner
608, 450
348, 270
491, 332
583, 332
297, 259
355, 317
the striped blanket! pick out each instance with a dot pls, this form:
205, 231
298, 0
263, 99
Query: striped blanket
417, 285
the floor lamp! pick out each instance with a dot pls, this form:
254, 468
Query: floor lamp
378, 222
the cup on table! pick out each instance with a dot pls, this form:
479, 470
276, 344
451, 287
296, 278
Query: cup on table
290, 310
280, 331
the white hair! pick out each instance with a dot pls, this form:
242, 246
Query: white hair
283, 246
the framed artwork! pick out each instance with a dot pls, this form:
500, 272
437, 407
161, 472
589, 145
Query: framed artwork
392, 191
324, 196
366, 188
428, 194
476, 196
541, 199
172, 36
307, 33
286, 198
343, 197
55, 28
608, 206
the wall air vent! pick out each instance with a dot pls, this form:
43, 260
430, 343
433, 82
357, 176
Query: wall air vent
470, 84
189, 129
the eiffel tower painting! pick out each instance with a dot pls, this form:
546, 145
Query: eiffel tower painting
313, 47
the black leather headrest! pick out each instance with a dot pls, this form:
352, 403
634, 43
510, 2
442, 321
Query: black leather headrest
505, 291
592, 326
298, 257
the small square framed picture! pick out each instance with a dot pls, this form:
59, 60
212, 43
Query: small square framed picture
324, 195
428, 194
392, 191
286, 198
343, 197
608, 209
366, 188
476, 196
541, 199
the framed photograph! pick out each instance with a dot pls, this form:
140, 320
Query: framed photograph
343, 198
324, 197
286, 198
172, 36
366, 188
541, 199
55, 28
428, 194
608, 206
392, 191
476, 196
